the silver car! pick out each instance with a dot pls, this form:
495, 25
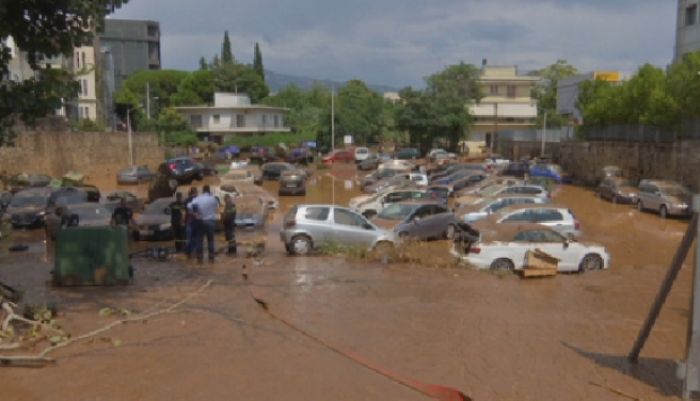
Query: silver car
484, 207
135, 175
669, 198
307, 227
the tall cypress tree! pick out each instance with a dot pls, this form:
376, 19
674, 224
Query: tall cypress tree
258, 62
226, 53
203, 64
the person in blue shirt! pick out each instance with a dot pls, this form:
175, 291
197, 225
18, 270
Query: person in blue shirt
205, 209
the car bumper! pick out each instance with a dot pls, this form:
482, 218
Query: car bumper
472, 260
680, 211
292, 190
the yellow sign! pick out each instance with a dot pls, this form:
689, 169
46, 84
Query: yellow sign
610, 76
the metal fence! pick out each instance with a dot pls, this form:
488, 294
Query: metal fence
690, 130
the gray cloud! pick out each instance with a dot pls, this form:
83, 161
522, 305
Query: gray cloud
398, 42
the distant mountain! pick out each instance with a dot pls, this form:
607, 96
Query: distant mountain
278, 81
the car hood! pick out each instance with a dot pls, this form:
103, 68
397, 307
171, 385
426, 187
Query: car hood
152, 219
24, 210
385, 224
676, 200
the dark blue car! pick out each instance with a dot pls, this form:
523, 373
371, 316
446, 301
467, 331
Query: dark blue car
551, 171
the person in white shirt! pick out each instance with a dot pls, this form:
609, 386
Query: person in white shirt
205, 208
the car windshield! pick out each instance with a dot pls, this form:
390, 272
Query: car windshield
623, 183
28, 200
397, 211
91, 213
674, 190
157, 207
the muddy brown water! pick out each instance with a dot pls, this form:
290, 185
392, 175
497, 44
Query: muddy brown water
494, 337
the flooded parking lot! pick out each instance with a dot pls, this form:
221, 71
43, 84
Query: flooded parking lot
492, 336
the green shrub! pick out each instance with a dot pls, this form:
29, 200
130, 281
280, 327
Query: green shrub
269, 140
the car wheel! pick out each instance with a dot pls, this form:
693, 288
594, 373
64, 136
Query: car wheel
591, 262
502, 264
403, 235
369, 213
301, 245
663, 212
640, 206
450, 231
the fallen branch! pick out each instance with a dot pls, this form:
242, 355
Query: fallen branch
615, 391
43, 358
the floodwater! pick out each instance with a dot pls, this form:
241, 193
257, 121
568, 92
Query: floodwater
493, 337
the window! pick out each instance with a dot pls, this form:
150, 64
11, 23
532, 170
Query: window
317, 213
493, 89
264, 120
525, 215
196, 120
216, 118
542, 215
347, 218
276, 121
82, 55
77, 60
511, 91
691, 14
240, 120
538, 236
85, 87
530, 190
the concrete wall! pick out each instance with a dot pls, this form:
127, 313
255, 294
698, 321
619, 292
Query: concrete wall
678, 161
56, 153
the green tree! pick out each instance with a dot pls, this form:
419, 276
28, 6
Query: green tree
683, 83
440, 112
546, 91
163, 85
258, 62
239, 78
42, 30
226, 53
195, 89
173, 128
203, 64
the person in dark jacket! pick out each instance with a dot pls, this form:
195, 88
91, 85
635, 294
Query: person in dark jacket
190, 223
122, 215
177, 220
228, 218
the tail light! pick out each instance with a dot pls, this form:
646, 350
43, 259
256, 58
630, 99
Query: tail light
290, 223
475, 249
172, 166
577, 225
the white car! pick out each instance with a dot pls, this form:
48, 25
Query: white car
361, 154
518, 189
480, 208
395, 164
237, 189
371, 205
241, 175
556, 217
506, 249
419, 179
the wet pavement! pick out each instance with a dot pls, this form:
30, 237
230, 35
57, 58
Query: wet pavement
494, 337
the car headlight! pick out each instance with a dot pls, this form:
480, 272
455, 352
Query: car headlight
682, 205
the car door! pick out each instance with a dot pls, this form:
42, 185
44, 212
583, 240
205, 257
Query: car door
655, 200
351, 229
421, 222
554, 244
318, 224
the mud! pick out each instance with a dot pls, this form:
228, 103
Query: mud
494, 337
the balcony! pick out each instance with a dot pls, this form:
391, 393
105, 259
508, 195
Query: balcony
504, 110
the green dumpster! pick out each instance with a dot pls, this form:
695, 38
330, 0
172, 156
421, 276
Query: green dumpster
92, 256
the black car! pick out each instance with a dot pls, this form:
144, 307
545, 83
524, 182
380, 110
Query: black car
300, 155
27, 209
163, 185
516, 169
184, 170
5, 198
407, 154
67, 196
273, 171
292, 182
370, 163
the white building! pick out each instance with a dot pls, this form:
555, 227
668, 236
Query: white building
687, 28
507, 105
83, 66
232, 115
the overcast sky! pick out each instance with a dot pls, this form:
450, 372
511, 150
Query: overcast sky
398, 42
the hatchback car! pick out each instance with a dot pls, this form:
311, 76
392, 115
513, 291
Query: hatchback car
154, 222
617, 190
361, 154
339, 155
28, 207
559, 218
407, 154
668, 198
506, 249
481, 208
135, 175
523, 189
307, 227
421, 220
184, 169
292, 182
371, 205
273, 170
251, 212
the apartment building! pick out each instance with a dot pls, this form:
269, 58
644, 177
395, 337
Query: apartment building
687, 28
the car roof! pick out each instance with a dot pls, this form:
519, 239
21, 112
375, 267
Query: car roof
514, 208
507, 232
419, 202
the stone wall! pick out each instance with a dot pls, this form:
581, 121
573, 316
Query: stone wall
55, 153
678, 161
516, 150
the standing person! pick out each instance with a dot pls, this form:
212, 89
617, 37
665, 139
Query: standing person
207, 207
177, 221
122, 215
228, 218
189, 222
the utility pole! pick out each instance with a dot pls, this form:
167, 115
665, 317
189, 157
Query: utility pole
495, 126
544, 134
332, 119
128, 131
148, 100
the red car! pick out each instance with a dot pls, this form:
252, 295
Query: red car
340, 155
